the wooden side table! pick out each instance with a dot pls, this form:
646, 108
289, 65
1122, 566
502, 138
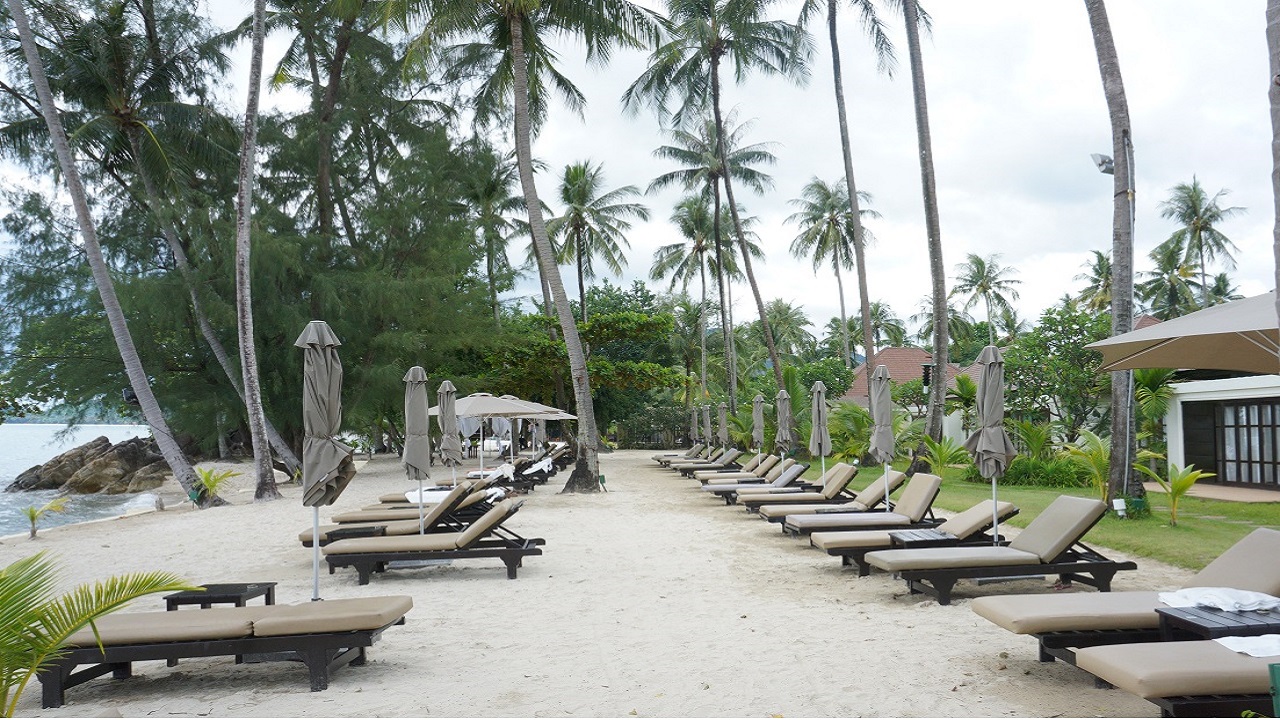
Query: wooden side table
222, 594
1209, 623
922, 538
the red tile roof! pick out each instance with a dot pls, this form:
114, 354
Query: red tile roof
1145, 321
904, 365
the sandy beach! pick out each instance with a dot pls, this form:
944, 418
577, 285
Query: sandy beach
651, 600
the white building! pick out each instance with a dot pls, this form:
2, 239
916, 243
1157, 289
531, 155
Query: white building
1230, 427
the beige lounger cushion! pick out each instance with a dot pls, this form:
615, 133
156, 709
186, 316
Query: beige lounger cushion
218, 623
375, 516
775, 511
852, 521
746, 496
393, 527
975, 519
343, 615
1167, 669
918, 496
948, 557
851, 539
1064, 521
1239, 568
426, 543
1030, 614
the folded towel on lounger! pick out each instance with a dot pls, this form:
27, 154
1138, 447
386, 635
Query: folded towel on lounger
1255, 646
1223, 598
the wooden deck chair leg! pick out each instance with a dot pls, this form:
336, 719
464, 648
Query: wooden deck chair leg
512, 561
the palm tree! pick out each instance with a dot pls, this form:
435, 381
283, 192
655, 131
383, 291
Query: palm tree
137, 375
704, 33
687, 259
1221, 290
791, 326
937, 394
1096, 295
828, 233
688, 342
489, 194
701, 169
1169, 291
515, 64
1122, 434
875, 30
593, 223
1198, 214
1273, 104
983, 279
960, 326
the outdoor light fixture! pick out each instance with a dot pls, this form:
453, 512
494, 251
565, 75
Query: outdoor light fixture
1105, 164
926, 370
1118, 505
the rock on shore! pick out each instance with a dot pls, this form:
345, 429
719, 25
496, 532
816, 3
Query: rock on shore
131, 466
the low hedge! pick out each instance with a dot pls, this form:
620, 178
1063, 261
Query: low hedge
1055, 473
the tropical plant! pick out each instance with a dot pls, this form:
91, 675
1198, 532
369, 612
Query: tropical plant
828, 235
33, 513
1034, 439
35, 622
212, 481
983, 280
1221, 290
1152, 394
1096, 294
1093, 455
492, 203
943, 453
688, 259
1168, 291
1198, 214
1178, 483
594, 223
963, 396
850, 426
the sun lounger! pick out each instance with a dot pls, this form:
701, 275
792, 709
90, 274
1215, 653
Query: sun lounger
483, 538
735, 464
833, 491
865, 499
1197, 678
690, 453
913, 510
680, 465
756, 474
788, 475
443, 516
707, 453
967, 528
1062, 623
406, 511
727, 461
323, 635
1049, 544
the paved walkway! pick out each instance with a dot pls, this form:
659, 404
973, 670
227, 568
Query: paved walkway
1232, 493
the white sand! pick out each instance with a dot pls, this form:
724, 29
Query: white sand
652, 600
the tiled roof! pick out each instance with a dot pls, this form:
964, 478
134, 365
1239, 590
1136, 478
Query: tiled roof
1145, 321
904, 365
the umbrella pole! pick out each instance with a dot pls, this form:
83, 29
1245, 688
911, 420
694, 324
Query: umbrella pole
886, 486
995, 515
315, 553
480, 450
422, 517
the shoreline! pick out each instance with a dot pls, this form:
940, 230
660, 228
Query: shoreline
650, 600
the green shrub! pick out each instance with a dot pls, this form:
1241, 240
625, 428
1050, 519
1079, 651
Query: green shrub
1053, 473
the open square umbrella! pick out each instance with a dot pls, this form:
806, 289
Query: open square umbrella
819, 435
882, 442
417, 434
327, 465
990, 444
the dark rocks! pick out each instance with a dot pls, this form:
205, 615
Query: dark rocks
134, 465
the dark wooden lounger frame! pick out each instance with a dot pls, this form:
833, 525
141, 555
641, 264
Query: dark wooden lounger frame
321, 652
927, 521
730, 497
1214, 705
1079, 563
502, 544
857, 556
752, 505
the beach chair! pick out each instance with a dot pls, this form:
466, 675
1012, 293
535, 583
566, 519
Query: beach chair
865, 499
443, 516
323, 635
1049, 544
483, 538
728, 461
788, 476
833, 491
707, 453
1196, 678
474, 500
690, 453
913, 510
966, 528
756, 474
679, 465
749, 467
1062, 623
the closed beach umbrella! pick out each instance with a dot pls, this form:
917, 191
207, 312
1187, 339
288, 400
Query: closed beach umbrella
539, 432
990, 445
706, 423
724, 425
819, 436
417, 429
782, 406
327, 465
693, 425
757, 422
882, 443
447, 419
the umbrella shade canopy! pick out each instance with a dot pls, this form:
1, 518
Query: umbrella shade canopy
327, 465
450, 441
882, 442
782, 405
724, 425
757, 421
694, 436
706, 422
990, 445
1240, 335
819, 436
538, 410
417, 426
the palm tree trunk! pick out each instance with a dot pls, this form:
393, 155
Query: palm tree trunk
137, 375
733, 344
737, 225
493, 285
265, 488
1122, 431
582, 280
1204, 282
721, 279
324, 161
844, 320
1273, 95
938, 388
859, 251
586, 473
702, 325
161, 209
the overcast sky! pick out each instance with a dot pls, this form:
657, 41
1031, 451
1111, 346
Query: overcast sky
1015, 108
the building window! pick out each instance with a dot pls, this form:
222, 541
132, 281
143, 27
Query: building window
1248, 435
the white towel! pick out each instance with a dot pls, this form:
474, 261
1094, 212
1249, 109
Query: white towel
1255, 646
429, 494
1221, 598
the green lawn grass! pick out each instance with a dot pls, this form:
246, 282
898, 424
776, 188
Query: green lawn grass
1205, 527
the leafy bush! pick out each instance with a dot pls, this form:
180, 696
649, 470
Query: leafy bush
944, 453
1034, 439
1093, 455
33, 513
654, 426
832, 372
1026, 471
1178, 484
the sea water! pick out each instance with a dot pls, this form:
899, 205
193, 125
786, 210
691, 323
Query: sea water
25, 445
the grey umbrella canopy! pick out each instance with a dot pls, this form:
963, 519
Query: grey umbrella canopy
706, 423
819, 435
724, 425
447, 419
694, 438
757, 421
882, 443
782, 406
417, 429
990, 445
327, 465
